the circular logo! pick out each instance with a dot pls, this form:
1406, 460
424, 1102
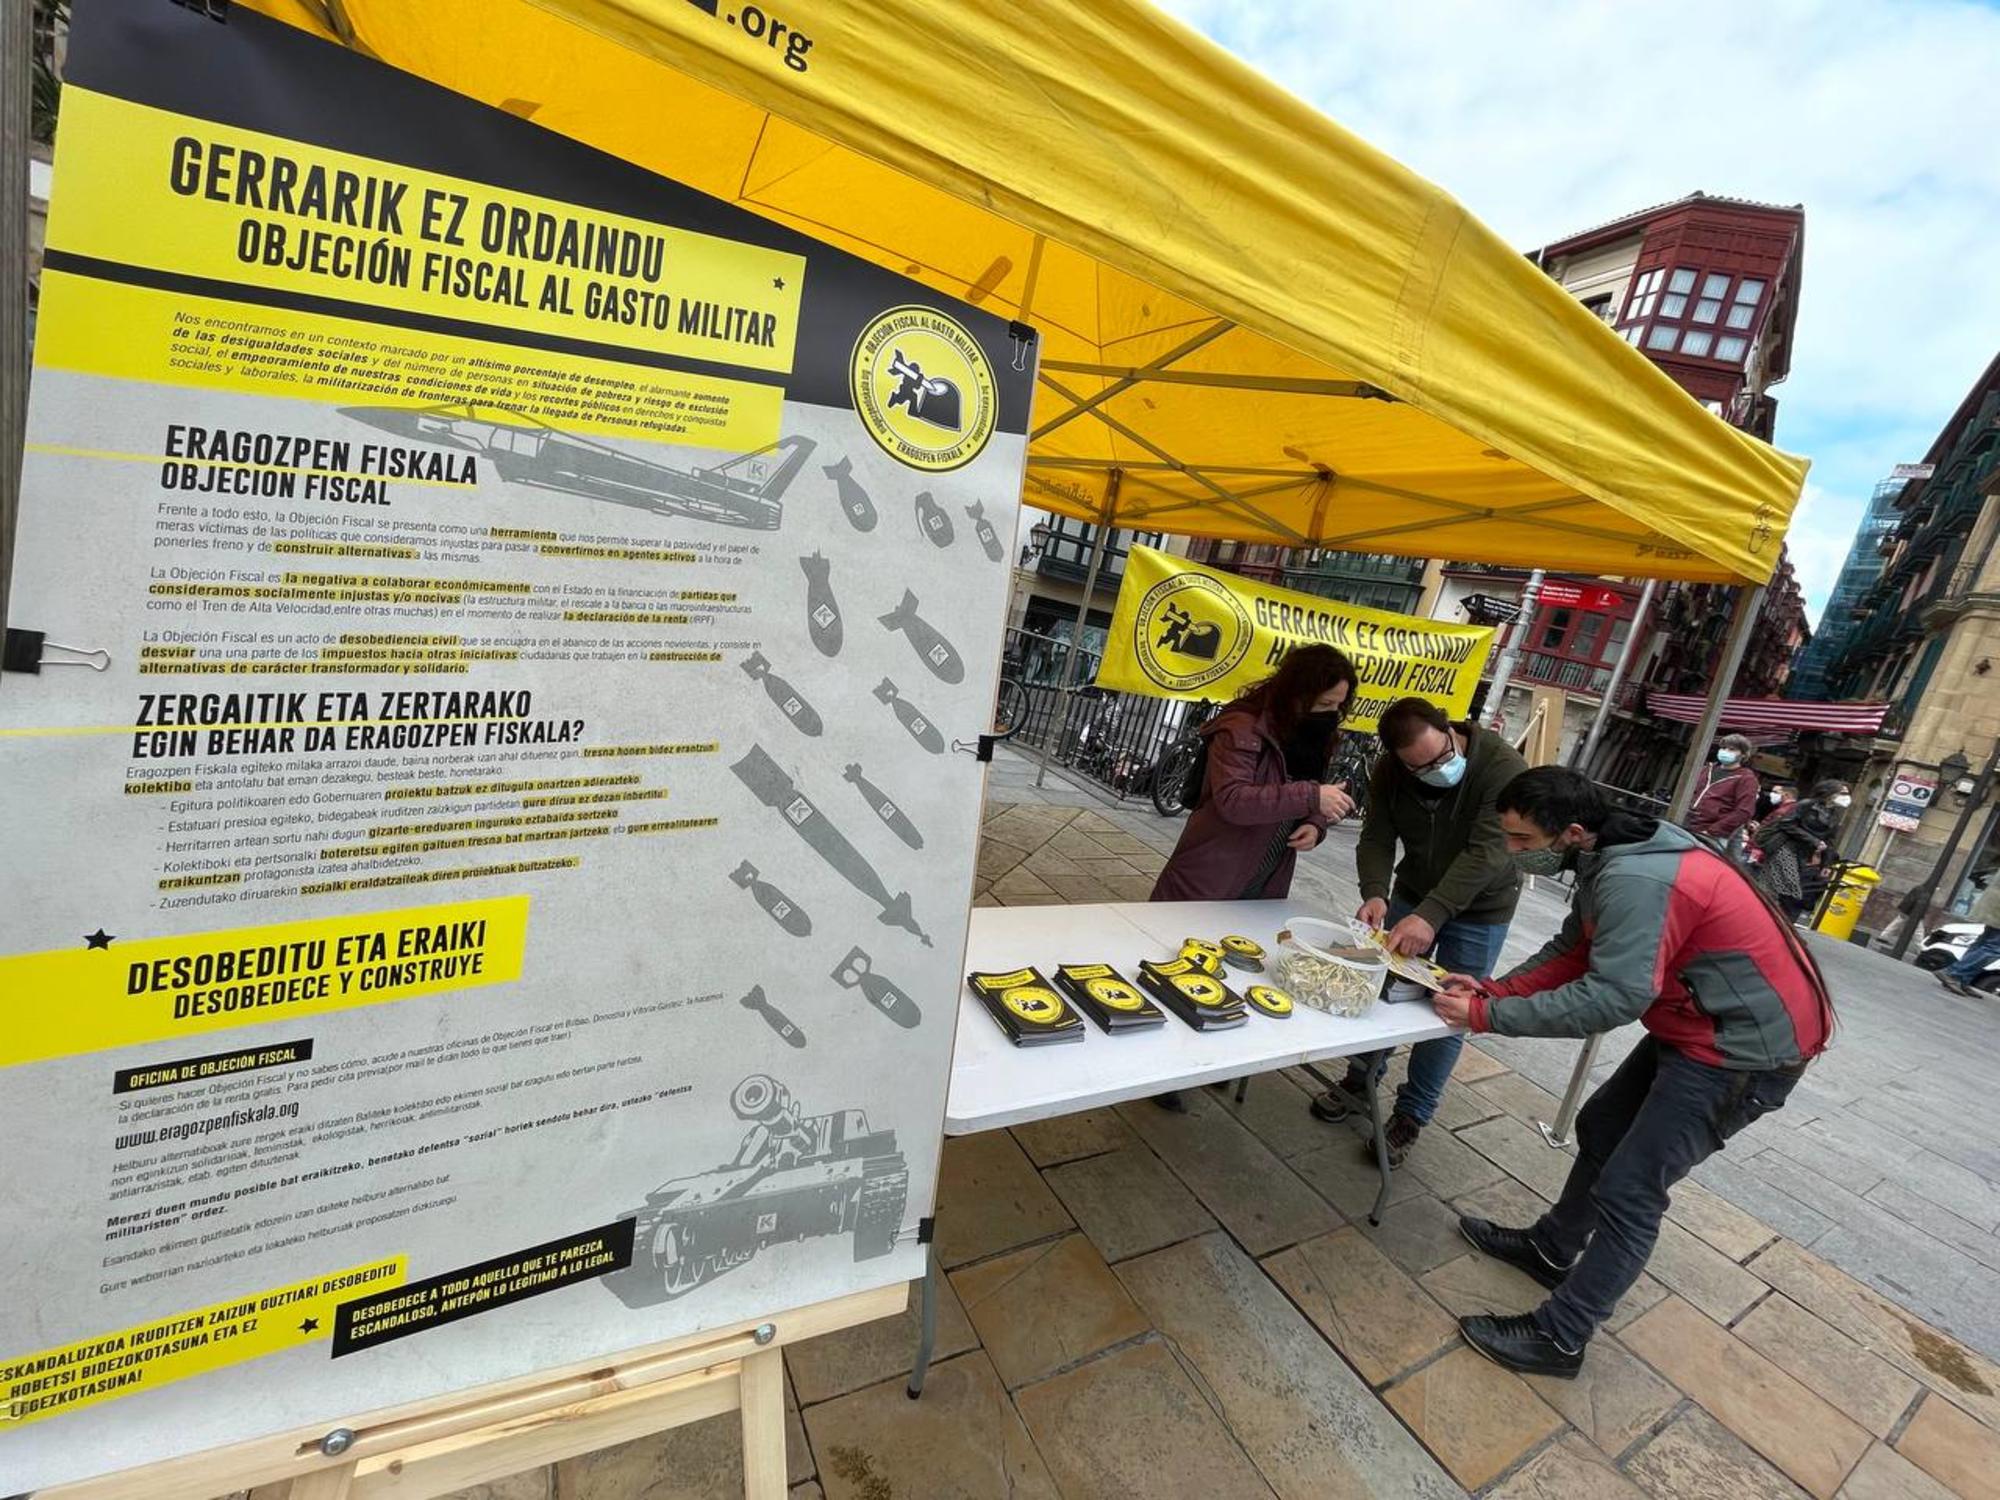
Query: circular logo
1247, 947
1199, 988
1032, 1003
1271, 1002
1190, 631
1202, 956
923, 388
1114, 994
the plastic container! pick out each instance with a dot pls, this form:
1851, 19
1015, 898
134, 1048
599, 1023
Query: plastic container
1318, 967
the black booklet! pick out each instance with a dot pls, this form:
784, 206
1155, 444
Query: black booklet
1027, 1007
1108, 998
1198, 998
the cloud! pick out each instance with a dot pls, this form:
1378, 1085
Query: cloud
1547, 119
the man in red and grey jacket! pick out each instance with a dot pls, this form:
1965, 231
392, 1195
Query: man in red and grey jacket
1668, 933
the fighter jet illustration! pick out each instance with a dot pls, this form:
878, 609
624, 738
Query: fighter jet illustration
524, 450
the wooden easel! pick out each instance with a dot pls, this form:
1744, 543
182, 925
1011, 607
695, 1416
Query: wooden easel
431, 1447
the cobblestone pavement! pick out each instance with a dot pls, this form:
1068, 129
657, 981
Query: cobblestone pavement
1139, 1303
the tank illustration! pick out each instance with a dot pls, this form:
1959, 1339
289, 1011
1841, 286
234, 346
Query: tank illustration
795, 1177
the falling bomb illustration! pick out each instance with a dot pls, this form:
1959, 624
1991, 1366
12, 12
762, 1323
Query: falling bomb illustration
936, 653
822, 610
933, 522
922, 730
805, 718
989, 539
853, 499
794, 1177
772, 787
787, 913
885, 808
776, 1019
857, 972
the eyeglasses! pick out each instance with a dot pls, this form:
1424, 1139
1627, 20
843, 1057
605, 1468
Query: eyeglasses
1450, 753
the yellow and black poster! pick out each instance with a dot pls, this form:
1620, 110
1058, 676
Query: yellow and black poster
1181, 630
474, 895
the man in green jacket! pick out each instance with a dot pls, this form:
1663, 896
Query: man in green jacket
1453, 892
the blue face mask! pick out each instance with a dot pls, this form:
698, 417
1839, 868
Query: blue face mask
1448, 775
1726, 757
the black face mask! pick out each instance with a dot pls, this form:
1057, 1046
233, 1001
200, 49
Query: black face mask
1308, 746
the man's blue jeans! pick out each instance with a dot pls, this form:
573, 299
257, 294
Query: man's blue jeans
1463, 948
1985, 948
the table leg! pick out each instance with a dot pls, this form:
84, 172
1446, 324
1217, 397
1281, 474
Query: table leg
1242, 1088
1381, 1144
1371, 1100
926, 1325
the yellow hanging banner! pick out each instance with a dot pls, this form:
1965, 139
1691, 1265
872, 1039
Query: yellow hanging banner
1185, 631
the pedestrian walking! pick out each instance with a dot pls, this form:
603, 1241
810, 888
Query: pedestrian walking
1985, 948
1451, 894
1795, 842
1727, 799
1666, 932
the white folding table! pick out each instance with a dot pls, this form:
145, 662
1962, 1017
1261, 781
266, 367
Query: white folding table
996, 1084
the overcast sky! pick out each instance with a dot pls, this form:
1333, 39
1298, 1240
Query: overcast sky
1544, 119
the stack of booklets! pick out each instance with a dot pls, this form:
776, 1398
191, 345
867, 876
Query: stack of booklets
1027, 1007
1108, 998
1200, 999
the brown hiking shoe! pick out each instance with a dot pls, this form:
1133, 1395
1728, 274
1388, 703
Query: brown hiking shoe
1400, 1135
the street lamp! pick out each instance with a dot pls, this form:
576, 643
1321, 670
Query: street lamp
1038, 542
1955, 771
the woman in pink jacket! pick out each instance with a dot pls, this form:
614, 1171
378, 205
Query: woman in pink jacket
1262, 800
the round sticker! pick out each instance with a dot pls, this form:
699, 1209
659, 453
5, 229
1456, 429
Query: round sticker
923, 388
1204, 956
1270, 1001
1248, 947
1033, 1003
1190, 631
1112, 993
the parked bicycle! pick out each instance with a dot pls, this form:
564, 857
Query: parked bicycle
1170, 771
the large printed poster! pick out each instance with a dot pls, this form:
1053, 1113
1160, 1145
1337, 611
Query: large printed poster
486, 885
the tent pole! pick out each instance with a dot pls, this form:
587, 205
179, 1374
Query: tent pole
1097, 547
17, 50
1496, 695
1580, 760
1749, 604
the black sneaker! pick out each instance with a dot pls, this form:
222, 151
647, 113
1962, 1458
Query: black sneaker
1518, 1344
1515, 1246
1332, 1106
1400, 1135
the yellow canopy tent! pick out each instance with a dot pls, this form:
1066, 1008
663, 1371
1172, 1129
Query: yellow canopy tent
1252, 324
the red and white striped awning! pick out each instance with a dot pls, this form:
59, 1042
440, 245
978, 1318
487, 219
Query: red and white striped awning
1773, 713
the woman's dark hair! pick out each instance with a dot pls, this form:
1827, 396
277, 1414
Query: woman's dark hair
1405, 720
1823, 790
1303, 674
1553, 797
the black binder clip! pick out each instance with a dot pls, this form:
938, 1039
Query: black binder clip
1024, 340
29, 651
980, 749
